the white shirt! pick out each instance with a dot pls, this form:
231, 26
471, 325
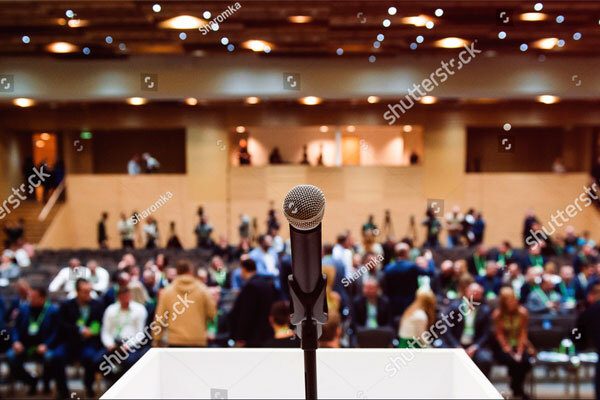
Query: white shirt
100, 279
414, 325
343, 254
66, 278
126, 230
22, 258
126, 325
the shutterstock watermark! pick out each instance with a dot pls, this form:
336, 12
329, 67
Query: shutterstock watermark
162, 200
17, 197
115, 358
213, 24
537, 237
428, 84
439, 328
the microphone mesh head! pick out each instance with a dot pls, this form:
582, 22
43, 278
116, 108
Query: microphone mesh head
304, 206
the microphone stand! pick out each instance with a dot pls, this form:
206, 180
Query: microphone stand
309, 312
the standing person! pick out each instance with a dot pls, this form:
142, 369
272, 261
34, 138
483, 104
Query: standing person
80, 320
588, 328
35, 336
249, 317
417, 319
203, 233
472, 332
342, 252
173, 242
511, 347
151, 232
434, 227
151, 164
184, 309
65, 280
265, 257
126, 232
528, 223
122, 325
272, 222
454, 222
102, 235
133, 166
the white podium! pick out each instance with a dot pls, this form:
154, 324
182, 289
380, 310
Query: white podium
279, 374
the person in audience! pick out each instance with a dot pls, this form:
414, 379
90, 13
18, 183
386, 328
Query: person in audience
478, 261
101, 231
21, 288
203, 233
149, 282
184, 309
65, 280
528, 223
511, 346
249, 317
586, 255
9, 270
272, 221
505, 254
543, 298
478, 229
123, 331
417, 319
491, 281
586, 276
134, 165
244, 227
534, 258
568, 287
514, 278
14, 231
218, 274
121, 278
454, 221
571, 240
369, 226
275, 156
151, 232
35, 337
173, 242
588, 329
472, 332
98, 277
371, 309
533, 278
126, 232
433, 228
151, 164
445, 281
333, 298
332, 333
401, 280
342, 251
284, 336
80, 325
265, 257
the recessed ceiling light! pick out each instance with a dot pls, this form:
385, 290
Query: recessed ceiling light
538, 6
450, 43
546, 43
61, 47
501, 35
439, 12
45, 136
386, 23
416, 20
23, 102
311, 100
182, 22
576, 36
300, 19
78, 23
533, 16
351, 128
136, 101
191, 101
156, 8
428, 100
257, 45
560, 19
240, 129
407, 128
26, 39
392, 10
523, 47
429, 25
324, 129
373, 99
547, 99
206, 14
252, 100
40, 144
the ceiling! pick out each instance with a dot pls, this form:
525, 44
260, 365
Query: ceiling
349, 25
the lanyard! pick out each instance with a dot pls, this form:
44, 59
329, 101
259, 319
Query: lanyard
479, 264
503, 256
536, 261
121, 325
41, 316
542, 294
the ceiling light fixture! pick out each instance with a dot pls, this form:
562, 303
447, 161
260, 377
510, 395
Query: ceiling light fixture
311, 100
546, 43
136, 101
191, 101
300, 19
61, 47
416, 20
257, 45
533, 16
428, 100
373, 99
252, 100
450, 43
547, 99
23, 102
182, 22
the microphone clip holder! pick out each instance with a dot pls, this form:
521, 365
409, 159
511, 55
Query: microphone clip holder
309, 310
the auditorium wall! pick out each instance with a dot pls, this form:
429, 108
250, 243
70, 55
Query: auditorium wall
353, 192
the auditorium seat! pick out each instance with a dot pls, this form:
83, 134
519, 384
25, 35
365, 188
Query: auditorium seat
369, 338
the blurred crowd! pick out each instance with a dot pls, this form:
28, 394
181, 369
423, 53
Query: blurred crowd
106, 317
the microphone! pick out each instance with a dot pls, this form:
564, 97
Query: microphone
304, 207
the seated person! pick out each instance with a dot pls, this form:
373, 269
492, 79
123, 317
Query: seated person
477, 262
543, 298
64, 281
123, 332
472, 332
80, 320
491, 281
218, 274
35, 337
445, 282
569, 288
284, 336
332, 332
371, 309
514, 278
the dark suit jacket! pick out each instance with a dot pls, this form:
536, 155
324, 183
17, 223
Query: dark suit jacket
69, 330
588, 328
48, 328
250, 314
400, 284
384, 315
482, 326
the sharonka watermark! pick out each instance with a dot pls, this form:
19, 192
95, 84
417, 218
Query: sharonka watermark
115, 358
162, 200
17, 197
213, 24
443, 73
373, 262
439, 328
571, 210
